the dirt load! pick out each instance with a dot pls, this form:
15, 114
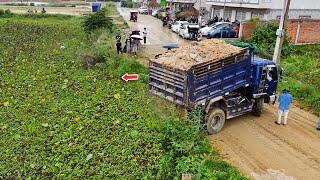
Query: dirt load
197, 52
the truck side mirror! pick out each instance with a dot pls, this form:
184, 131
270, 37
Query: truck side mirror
281, 73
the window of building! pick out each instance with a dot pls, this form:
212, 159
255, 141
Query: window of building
305, 17
227, 13
259, 15
240, 16
216, 12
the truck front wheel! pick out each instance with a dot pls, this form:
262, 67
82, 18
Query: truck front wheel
215, 121
258, 107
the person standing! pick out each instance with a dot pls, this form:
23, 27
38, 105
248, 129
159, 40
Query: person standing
119, 47
216, 19
144, 33
285, 100
134, 45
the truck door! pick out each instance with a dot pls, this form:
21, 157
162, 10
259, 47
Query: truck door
271, 80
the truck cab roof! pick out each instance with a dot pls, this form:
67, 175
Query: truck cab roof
262, 62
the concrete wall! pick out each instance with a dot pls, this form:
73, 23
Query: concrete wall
300, 31
267, 4
294, 14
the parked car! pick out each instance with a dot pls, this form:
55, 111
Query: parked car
225, 31
189, 31
204, 31
176, 25
154, 12
143, 10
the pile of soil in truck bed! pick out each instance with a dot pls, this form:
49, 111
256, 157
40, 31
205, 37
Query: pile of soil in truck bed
186, 56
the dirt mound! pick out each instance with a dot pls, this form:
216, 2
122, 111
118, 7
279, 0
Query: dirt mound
197, 52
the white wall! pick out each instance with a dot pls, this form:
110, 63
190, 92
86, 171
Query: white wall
268, 4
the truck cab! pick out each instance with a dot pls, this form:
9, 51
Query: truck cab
264, 79
249, 98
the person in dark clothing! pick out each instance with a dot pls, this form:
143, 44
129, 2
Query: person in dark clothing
119, 47
216, 19
118, 37
227, 20
220, 20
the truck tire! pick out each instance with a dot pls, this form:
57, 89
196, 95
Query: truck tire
258, 107
215, 121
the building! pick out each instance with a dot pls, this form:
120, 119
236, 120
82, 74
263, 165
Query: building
264, 9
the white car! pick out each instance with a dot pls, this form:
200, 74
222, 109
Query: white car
154, 12
143, 10
204, 31
185, 33
176, 25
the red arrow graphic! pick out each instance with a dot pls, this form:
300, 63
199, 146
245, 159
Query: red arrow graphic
130, 77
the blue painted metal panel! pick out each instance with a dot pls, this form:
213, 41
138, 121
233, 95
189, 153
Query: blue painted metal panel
202, 81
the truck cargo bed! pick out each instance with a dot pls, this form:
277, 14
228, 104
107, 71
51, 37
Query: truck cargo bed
202, 81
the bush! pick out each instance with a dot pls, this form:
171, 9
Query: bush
188, 151
264, 37
97, 20
129, 4
5, 13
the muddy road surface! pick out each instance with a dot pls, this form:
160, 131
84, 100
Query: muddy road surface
256, 145
263, 150
157, 35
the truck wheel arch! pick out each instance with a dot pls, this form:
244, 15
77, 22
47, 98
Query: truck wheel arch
216, 102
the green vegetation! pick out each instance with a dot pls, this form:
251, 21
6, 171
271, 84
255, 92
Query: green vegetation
302, 75
264, 37
96, 21
60, 119
301, 64
5, 13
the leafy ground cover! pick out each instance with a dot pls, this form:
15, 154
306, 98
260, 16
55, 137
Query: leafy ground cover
302, 75
60, 119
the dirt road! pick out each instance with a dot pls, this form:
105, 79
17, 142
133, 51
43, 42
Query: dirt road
257, 146
264, 150
157, 35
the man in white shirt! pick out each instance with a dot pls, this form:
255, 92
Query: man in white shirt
144, 35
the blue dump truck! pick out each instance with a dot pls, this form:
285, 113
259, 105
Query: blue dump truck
224, 88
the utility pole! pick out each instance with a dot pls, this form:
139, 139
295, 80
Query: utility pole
200, 17
224, 9
280, 32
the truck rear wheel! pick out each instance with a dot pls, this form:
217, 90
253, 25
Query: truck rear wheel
215, 121
258, 107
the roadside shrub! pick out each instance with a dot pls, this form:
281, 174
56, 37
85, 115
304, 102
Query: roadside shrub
97, 20
264, 37
5, 13
129, 4
188, 151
